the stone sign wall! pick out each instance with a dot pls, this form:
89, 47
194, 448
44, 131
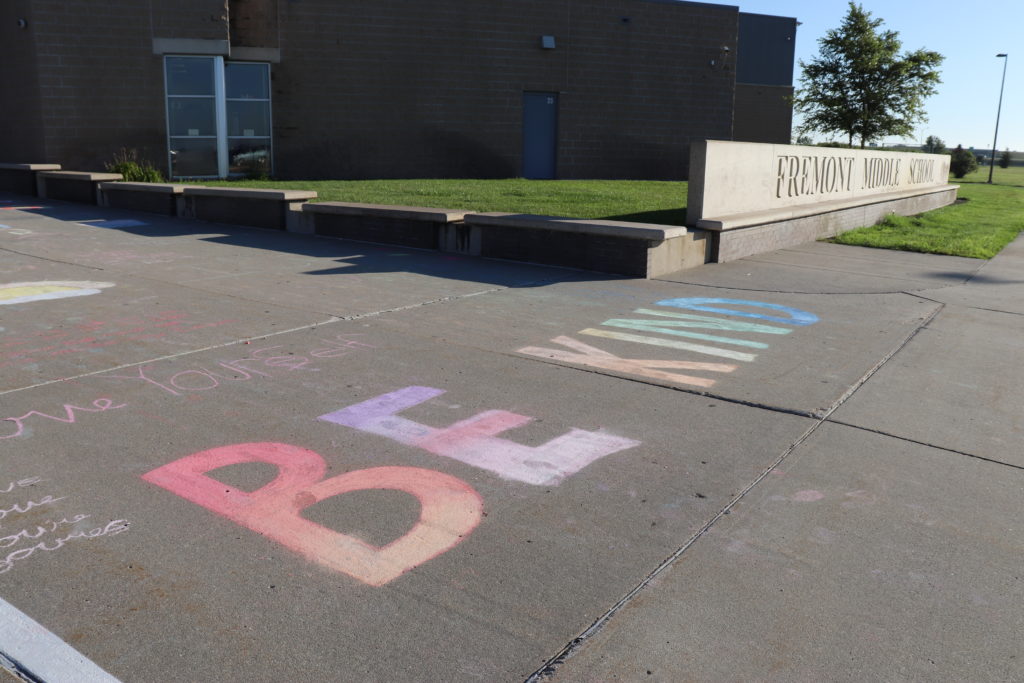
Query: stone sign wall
732, 178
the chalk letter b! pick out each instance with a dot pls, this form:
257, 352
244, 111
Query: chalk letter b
450, 508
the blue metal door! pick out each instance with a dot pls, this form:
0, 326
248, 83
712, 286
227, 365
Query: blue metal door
540, 134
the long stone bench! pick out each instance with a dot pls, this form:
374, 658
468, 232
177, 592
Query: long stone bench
410, 226
276, 209
72, 186
21, 178
634, 249
740, 235
163, 198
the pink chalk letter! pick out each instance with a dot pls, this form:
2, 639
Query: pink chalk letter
450, 508
474, 441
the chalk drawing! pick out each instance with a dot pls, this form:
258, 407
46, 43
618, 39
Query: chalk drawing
25, 292
95, 334
99, 405
21, 484
794, 316
584, 354
684, 325
270, 359
450, 508
27, 647
474, 441
112, 528
22, 208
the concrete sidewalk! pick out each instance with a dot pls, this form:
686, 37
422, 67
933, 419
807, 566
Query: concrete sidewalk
234, 454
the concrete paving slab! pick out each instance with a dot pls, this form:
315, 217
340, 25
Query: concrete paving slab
820, 267
153, 584
862, 558
286, 269
998, 286
793, 352
62, 321
958, 384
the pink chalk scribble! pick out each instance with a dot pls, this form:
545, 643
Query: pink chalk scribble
474, 441
808, 496
450, 508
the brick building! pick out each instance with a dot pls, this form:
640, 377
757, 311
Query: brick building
390, 88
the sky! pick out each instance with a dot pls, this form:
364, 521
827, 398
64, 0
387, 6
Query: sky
968, 33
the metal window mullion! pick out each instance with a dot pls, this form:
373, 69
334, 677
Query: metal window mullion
219, 92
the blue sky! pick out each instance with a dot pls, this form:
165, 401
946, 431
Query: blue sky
969, 34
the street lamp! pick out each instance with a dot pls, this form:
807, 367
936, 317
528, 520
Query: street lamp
992, 161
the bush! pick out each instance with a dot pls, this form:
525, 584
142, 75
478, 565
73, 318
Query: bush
127, 163
934, 145
962, 162
1004, 159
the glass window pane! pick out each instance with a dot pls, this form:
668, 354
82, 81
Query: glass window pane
247, 81
189, 75
189, 117
192, 157
248, 119
249, 157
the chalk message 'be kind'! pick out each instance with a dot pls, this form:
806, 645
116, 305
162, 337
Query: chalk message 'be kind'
450, 508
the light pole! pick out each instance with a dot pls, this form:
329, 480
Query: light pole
992, 161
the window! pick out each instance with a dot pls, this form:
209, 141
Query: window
218, 117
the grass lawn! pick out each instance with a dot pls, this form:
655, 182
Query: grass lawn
979, 227
643, 201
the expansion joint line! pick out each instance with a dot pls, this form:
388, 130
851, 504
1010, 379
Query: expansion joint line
549, 667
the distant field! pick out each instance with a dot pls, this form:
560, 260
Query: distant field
1014, 175
643, 201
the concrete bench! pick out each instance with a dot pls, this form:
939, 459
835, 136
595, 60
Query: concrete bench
72, 186
409, 226
276, 209
163, 198
634, 249
747, 234
21, 178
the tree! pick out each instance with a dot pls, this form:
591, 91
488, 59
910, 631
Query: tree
1004, 159
933, 144
962, 162
859, 85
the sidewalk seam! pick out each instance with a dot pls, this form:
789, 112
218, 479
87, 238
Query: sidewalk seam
552, 664
926, 444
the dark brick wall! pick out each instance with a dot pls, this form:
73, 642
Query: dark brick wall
409, 88
390, 88
21, 131
763, 114
100, 85
253, 23
606, 254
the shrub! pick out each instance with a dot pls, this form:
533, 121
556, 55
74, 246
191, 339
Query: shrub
933, 144
127, 163
1004, 159
962, 162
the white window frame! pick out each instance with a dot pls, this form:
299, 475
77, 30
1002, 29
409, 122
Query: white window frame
220, 114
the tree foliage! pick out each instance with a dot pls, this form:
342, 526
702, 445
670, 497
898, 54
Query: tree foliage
860, 85
1004, 159
933, 144
962, 162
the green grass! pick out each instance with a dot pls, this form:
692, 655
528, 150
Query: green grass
979, 227
643, 201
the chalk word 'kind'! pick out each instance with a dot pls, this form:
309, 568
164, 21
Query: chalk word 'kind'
679, 325
450, 508
474, 441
